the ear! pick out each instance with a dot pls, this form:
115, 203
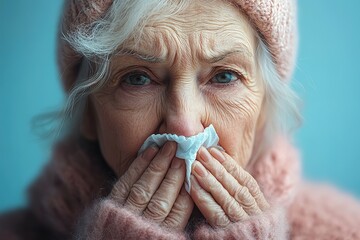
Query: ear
88, 123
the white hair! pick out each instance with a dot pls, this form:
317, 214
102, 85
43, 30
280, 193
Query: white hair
126, 18
281, 104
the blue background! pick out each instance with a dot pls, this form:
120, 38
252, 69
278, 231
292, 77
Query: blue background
327, 77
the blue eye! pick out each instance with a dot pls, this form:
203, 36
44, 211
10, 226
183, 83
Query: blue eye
137, 79
225, 77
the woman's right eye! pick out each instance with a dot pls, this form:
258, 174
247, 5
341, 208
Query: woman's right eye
136, 79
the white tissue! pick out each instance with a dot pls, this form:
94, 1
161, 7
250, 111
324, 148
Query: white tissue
187, 146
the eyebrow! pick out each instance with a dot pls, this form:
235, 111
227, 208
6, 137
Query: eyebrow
154, 59
140, 56
243, 50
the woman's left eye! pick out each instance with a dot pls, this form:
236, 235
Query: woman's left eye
137, 79
225, 77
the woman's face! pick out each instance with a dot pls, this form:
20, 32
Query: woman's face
195, 69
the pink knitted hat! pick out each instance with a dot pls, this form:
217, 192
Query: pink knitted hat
275, 20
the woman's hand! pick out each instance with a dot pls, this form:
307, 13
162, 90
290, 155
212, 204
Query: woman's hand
222, 190
153, 187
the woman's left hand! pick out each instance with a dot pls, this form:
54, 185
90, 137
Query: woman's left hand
222, 190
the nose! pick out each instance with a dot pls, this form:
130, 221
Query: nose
183, 112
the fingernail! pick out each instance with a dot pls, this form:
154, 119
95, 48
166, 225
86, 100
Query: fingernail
176, 163
168, 149
199, 169
150, 152
204, 154
217, 154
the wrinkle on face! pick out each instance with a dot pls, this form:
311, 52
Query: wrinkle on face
200, 37
183, 54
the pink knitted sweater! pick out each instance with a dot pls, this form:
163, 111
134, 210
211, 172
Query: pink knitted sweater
68, 201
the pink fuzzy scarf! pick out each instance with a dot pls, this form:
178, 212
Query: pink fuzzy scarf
70, 197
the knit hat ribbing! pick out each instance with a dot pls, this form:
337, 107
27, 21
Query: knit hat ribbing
275, 20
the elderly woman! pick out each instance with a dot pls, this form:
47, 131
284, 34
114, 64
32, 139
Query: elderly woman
207, 80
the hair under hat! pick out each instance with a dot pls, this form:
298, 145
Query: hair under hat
274, 20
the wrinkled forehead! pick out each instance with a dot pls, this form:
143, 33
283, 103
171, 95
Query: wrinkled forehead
203, 30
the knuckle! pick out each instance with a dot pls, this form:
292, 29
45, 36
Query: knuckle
241, 193
244, 197
172, 221
213, 184
157, 209
221, 172
139, 196
234, 211
120, 190
232, 168
180, 212
246, 179
134, 171
242, 214
254, 193
243, 177
250, 205
257, 194
156, 167
229, 205
249, 181
220, 219
200, 197
182, 204
171, 181
238, 215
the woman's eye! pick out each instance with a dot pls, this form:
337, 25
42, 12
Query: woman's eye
225, 77
137, 79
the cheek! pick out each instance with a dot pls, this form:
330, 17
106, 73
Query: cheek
122, 127
235, 120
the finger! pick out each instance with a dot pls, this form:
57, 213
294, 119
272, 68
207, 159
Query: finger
163, 199
212, 212
180, 212
142, 191
122, 187
240, 193
243, 177
210, 184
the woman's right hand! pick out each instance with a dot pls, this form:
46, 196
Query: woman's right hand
153, 187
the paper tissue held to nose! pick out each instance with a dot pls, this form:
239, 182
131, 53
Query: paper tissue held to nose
187, 147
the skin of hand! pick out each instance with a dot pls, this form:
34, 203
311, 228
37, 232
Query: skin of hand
222, 190
153, 187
